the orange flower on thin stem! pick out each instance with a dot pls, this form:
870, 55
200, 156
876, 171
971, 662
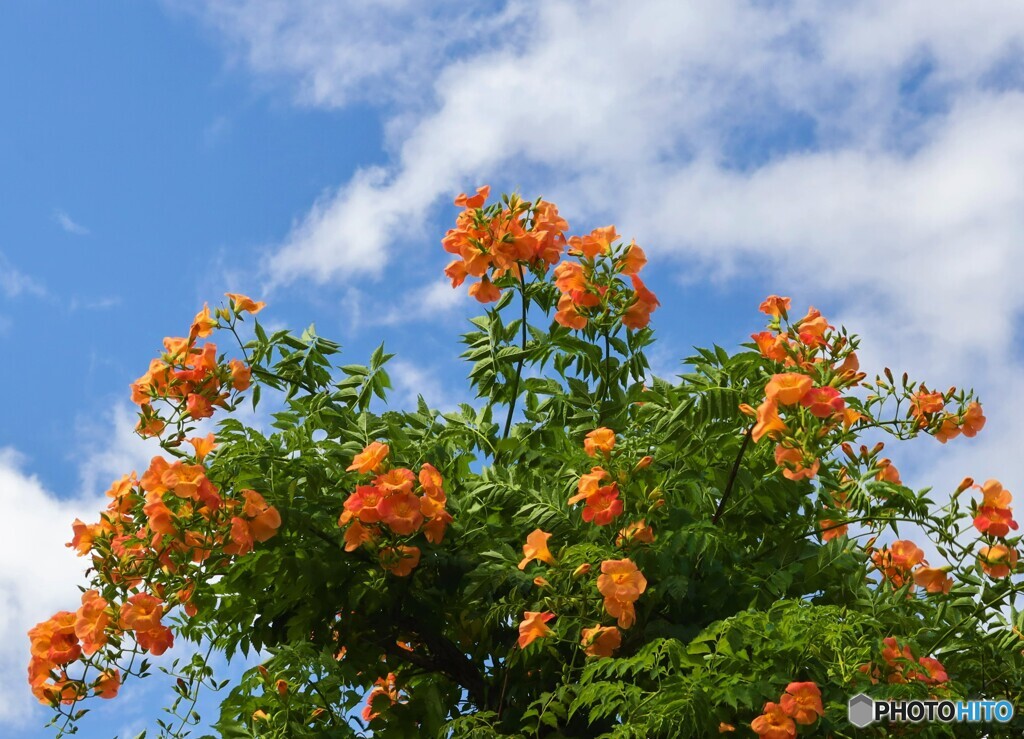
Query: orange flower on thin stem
974, 420
621, 584
243, 304
788, 388
603, 506
534, 626
802, 701
768, 422
775, 306
599, 440
203, 445
536, 548
370, 459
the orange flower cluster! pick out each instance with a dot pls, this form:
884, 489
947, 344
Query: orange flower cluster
174, 514
494, 241
806, 410
587, 291
821, 364
602, 503
927, 409
899, 666
391, 501
799, 704
621, 584
897, 561
808, 333
994, 516
142, 614
155, 527
506, 238
191, 377
67, 636
171, 517
62, 639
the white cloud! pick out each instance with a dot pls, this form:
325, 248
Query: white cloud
40, 574
114, 449
429, 303
14, 283
411, 380
347, 50
70, 226
922, 247
652, 122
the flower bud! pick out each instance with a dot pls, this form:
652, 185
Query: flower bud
964, 484
582, 571
643, 463
540, 582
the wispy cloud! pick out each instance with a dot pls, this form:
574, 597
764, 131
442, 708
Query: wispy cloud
428, 303
216, 131
14, 283
347, 51
412, 380
103, 303
68, 224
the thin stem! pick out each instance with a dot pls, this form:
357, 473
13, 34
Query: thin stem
188, 712
732, 475
607, 366
522, 357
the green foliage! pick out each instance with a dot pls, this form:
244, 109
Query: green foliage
743, 595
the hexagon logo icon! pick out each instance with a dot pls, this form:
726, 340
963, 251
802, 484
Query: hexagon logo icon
860, 710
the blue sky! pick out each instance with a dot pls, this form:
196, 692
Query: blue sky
865, 160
